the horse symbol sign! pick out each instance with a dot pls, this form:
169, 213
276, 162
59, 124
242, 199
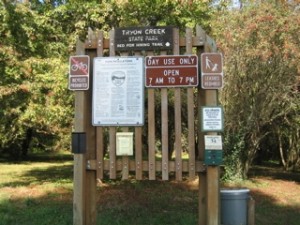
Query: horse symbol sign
212, 70
79, 72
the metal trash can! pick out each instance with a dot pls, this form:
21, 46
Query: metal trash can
234, 206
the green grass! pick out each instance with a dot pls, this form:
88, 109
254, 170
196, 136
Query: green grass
40, 192
36, 193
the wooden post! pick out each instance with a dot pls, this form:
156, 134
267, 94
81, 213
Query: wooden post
209, 188
213, 175
213, 172
202, 198
84, 206
79, 159
251, 211
191, 114
91, 179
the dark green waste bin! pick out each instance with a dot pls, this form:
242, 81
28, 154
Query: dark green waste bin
234, 206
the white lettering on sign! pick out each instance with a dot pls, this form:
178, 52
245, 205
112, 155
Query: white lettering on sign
187, 61
151, 38
143, 44
132, 32
159, 80
171, 72
157, 44
171, 80
176, 70
169, 61
152, 62
155, 31
189, 80
78, 85
136, 38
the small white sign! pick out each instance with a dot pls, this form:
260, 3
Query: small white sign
213, 142
124, 143
212, 119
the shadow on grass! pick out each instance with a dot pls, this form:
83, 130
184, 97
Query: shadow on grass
50, 174
275, 173
269, 211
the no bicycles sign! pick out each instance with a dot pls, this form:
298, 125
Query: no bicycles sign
79, 72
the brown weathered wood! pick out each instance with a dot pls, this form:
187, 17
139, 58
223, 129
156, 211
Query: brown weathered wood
151, 133
100, 152
100, 43
177, 108
138, 154
199, 167
191, 134
178, 145
112, 130
91, 181
164, 133
125, 167
213, 195
125, 162
112, 153
191, 116
251, 211
79, 159
138, 146
99, 130
202, 198
213, 172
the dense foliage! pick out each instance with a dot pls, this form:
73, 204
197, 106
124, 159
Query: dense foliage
33, 94
261, 48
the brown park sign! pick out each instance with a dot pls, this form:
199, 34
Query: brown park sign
79, 72
211, 70
171, 71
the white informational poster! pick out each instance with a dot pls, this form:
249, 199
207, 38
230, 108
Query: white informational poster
212, 119
118, 91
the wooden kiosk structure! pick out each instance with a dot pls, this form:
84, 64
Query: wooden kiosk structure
90, 164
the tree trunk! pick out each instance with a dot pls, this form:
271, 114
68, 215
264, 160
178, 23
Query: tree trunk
281, 152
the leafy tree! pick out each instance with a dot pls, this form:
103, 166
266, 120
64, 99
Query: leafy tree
260, 43
35, 104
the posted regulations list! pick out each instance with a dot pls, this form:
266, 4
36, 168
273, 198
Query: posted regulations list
118, 91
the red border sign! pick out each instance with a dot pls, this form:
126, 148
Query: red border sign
171, 71
79, 72
211, 70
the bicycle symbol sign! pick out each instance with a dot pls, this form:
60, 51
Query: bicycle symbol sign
79, 72
211, 70
79, 65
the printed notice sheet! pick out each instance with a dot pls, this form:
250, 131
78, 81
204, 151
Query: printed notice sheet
118, 91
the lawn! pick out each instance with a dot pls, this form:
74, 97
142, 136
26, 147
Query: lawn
40, 193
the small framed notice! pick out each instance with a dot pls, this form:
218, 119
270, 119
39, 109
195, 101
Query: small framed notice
124, 143
212, 119
118, 91
213, 142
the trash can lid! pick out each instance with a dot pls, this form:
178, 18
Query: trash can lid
235, 191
